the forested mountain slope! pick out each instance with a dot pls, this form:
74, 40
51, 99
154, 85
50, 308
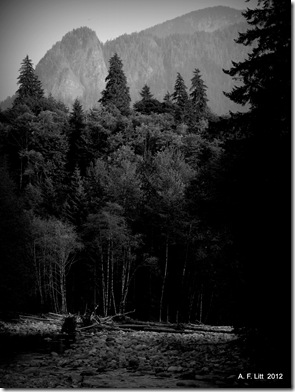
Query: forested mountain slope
77, 65
207, 19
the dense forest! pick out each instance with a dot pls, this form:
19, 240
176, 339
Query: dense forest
162, 206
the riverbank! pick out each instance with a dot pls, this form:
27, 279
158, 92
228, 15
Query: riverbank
115, 358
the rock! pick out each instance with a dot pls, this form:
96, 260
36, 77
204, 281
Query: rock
88, 373
203, 377
113, 364
187, 376
204, 370
159, 369
54, 354
32, 370
175, 369
133, 363
92, 382
187, 384
101, 368
163, 374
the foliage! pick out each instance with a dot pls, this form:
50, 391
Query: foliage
30, 90
198, 97
116, 91
147, 104
54, 246
15, 270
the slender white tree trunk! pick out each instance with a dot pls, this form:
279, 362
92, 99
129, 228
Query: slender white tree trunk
164, 278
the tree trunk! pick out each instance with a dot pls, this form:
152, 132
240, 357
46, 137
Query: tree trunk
63, 291
179, 298
108, 279
191, 303
112, 279
103, 285
164, 278
201, 306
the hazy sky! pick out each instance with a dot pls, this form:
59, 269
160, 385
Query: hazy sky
33, 26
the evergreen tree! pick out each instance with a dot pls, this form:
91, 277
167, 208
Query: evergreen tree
147, 104
259, 166
75, 205
76, 141
180, 97
30, 88
167, 104
146, 93
198, 94
116, 91
265, 74
168, 97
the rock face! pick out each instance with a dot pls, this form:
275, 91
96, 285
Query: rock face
76, 67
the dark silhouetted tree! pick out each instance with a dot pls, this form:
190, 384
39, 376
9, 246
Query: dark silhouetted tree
30, 88
198, 94
147, 104
259, 166
116, 91
76, 140
180, 98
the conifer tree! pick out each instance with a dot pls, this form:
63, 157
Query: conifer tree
168, 97
30, 88
265, 74
76, 141
198, 93
262, 169
147, 104
180, 97
167, 104
116, 91
146, 93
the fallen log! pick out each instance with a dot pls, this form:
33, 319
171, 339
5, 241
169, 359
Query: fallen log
33, 318
56, 315
170, 329
38, 319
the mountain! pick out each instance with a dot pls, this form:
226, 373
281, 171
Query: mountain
207, 19
155, 61
76, 66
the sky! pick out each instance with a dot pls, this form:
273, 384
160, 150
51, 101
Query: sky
32, 27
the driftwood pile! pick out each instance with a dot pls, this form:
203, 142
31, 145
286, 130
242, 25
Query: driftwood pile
92, 322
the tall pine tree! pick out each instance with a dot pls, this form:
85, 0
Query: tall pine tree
30, 88
198, 94
262, 170
265, 75
180, 98
116, 91
76, 154
147, 104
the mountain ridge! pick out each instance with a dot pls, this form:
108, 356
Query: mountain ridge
206, 19
77, 65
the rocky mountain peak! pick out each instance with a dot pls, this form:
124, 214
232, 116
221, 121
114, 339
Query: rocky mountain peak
74, 68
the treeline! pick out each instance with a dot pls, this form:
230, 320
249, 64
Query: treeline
162, 207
